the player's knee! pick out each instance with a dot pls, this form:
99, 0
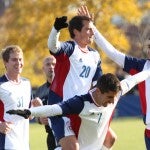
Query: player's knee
69, 143
109, 142
73, 146
113, 139
110, 138
70, 146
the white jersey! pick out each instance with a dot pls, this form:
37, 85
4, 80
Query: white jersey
94, 120
81, 72
94, 126
132, 66
14, 96
75, 71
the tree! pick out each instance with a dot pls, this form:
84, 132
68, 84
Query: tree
28, 23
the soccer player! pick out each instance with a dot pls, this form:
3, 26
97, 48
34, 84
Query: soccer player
15, 93
42, 92
95, 108
77, 67
130, 65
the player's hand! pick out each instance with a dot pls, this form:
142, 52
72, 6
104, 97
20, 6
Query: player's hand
61, 23
43, 120
24, 113
36, 102
83, 11
5, 127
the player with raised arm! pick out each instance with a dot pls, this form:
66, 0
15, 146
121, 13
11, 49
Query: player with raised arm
77, 68
94, 108
132, 66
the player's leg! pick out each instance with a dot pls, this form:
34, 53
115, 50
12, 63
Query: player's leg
109, 139
62, 127
51, 141
147, 138
64, 134
69, 143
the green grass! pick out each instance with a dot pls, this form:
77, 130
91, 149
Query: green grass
130, 135
37, 137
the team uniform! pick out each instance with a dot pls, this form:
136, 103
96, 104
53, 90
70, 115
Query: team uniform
14, 96
75, 71
132, 66
42, 92
94, 119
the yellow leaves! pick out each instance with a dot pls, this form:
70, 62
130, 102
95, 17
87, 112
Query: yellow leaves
118, 40
28, 24
128, 10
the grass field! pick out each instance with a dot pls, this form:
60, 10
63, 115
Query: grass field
129, 132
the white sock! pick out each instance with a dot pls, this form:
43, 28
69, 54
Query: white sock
105, 148
58, 148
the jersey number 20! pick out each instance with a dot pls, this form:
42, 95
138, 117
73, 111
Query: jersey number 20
85, 72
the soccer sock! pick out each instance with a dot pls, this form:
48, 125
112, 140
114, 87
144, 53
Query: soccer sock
105, 148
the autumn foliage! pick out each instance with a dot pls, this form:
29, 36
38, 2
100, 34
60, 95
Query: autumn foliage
28, 23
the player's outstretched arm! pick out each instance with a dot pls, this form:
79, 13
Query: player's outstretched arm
99, 39
41, 111
24, 113
128, 83
53, 42
114, 54
60, 23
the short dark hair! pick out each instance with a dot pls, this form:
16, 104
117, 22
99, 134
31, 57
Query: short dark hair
76, 23
108, 82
